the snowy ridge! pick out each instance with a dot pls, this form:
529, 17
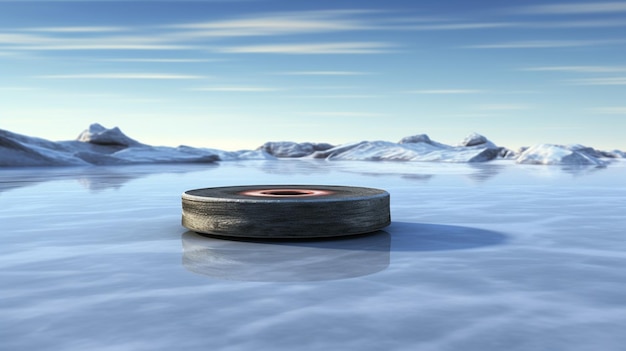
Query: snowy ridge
99, 135
474, 148
549, 154
98, 145
291, 149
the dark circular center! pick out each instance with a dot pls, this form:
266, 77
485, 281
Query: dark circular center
286, 192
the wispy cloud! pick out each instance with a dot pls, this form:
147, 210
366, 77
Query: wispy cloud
324, 21
578, 69
27, 41
446, 91
21, 38
330, 87
457, 26
155, 76
100, 46
343, 114
236, 89
76, 29
599, 81
285, 23
192, 35
471, 115
339, 96
574, 8
547, 44
605, 22
503, 107
610, 110
311, 48
324, 73
595, 23
161, 60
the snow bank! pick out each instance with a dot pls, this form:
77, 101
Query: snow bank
21, 150
617, 154
475, 139
95, 146
98, 145
474, 148
97, 134
291, 149
550, 154
222, 155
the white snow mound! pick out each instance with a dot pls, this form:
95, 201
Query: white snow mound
550, 154
97, 134
292, 149
98, 145
415, 148
95, 146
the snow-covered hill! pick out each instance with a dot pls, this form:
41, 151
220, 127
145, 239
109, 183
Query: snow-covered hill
98, 145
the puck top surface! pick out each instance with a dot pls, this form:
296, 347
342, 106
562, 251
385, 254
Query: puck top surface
282, 193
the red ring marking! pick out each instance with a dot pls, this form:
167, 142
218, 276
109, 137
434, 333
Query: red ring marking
286, 192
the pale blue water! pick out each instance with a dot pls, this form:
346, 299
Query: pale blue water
479, 257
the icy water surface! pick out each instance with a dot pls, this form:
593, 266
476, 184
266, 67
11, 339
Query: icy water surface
479, 257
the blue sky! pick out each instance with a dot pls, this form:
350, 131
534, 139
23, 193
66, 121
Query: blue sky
234, 74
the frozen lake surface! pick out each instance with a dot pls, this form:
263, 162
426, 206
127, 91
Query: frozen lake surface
478, 257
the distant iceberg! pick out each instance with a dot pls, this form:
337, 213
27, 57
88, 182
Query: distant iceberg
99, 135
292, 149
474, 148
98, 145
549, 154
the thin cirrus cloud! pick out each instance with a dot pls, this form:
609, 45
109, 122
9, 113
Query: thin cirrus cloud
310, 48
446, 91
458, 26
100, 46
309, 22
578, 69
343, 114
332, 21
160, 60
574, 8
236, 89
22, 41
286, 23
339, 96
599, 81
546, 44
503, 107
188, 36
579, 24
149, 76
76, 29
324, 73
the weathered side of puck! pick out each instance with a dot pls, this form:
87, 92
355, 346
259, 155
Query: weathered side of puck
285, 211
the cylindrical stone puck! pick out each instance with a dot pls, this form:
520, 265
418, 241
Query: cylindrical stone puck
285, 211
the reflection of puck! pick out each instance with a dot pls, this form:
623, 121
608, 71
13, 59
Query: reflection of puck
285, 211
294, 260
